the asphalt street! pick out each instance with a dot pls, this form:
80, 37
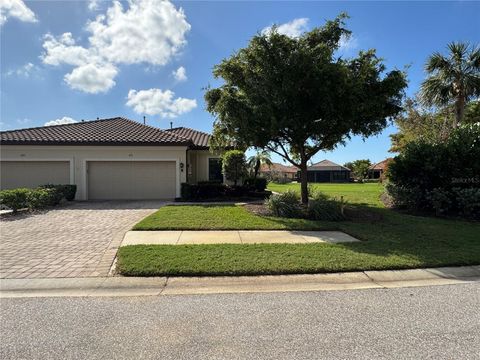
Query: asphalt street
439, 322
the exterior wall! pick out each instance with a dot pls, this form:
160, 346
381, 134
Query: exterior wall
79, 155
199, 164
325, 176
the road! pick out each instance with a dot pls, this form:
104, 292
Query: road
440, 322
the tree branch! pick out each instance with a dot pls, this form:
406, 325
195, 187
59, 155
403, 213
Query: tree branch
284, 155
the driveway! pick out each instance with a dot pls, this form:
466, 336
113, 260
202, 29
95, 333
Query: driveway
75, 240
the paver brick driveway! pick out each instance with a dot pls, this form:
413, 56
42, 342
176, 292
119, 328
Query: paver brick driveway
75, 240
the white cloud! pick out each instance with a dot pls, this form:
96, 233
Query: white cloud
24, 71
63, 120
158, 102
62, 50
93, 5
293, 28
180, 74
16, 9
148, 32
92, 78
348, 43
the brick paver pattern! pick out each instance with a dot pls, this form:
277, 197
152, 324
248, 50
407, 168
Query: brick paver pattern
78, 239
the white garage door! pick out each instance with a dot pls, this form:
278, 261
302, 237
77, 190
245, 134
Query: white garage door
30, 174
131, 180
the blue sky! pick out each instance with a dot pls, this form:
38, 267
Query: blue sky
69, 60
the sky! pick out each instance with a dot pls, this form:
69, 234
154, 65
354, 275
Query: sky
65, 61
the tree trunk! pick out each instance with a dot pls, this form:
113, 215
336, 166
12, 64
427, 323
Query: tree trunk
257, 167
459, 111
304, 181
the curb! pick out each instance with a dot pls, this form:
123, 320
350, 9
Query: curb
164, 286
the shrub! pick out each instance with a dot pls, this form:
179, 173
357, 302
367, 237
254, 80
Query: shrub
468, 201
286, 205
424, 175
441, 201
202, 190
234, 165
56, 193
321, 207
187, 191
67, 191
259, 184
41, 198
14, 199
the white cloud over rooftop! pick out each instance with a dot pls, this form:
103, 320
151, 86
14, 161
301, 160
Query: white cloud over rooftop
148, 31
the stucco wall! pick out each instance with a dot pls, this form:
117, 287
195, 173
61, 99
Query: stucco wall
199, 161
79, 155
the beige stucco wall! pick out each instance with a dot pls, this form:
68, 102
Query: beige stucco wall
198, 160
79, 155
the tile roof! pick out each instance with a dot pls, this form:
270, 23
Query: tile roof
113, 131
382, 165
198, 138
278, 167
327, 165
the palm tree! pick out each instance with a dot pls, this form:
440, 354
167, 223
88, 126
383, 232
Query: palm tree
255, 161
453, 79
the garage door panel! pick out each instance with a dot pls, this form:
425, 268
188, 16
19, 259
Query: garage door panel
125, 180
30, 174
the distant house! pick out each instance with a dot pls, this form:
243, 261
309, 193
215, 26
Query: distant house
327, 171
377, 171
277, 170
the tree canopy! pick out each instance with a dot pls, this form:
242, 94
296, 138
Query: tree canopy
359, 168
417, 122
296, 96
454, 78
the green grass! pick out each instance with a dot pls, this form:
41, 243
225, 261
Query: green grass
359, 194
219, 217
392, 240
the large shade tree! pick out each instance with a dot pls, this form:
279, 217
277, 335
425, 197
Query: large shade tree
454, 78
296, 97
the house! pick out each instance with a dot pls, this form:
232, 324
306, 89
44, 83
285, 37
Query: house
377, 171
108, 159
328, 171
278, 171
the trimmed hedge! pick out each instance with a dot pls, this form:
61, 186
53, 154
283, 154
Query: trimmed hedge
14, 199
67, 191
212, 190
42, 197
258, 184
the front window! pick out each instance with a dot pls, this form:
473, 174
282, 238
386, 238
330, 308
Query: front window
215, 170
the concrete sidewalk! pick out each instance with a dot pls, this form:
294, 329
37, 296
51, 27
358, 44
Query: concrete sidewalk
183, 237
129, 286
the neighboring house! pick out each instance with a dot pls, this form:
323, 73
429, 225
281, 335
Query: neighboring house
108, 159
327, 171
377, 171
277, 170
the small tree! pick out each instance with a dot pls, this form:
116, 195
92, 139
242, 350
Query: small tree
234, 165
295, 96
453, 78
359, 168
255, 161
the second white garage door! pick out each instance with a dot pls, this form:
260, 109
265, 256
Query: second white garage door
131, 180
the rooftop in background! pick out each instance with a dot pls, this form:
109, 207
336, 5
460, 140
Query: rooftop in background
278, 167
382, 165
113, 131
199, 139
327, 165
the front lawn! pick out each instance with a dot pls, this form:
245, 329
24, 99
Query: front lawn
391, 240
398, 242
359, 194
220, 217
